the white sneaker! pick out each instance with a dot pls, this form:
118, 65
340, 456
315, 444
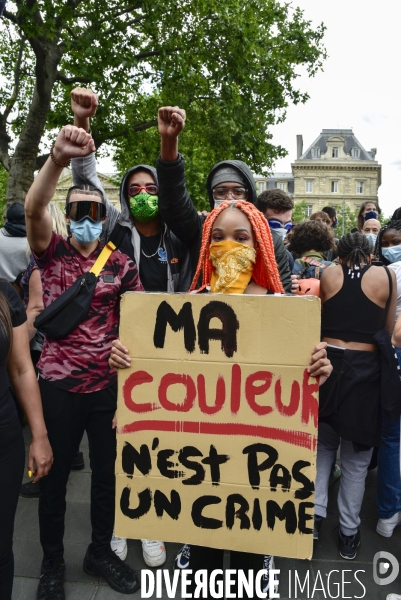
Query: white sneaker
385, 527
154, 553
393, 597
119, 546
268, 563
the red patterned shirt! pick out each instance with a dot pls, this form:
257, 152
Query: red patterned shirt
79, 362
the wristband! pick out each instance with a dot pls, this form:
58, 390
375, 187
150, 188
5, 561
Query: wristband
57, 163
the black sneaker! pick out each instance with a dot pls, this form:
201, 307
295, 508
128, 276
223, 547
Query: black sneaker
78, 462
349, 544
118, 575
30, 490
51, 584
317, 523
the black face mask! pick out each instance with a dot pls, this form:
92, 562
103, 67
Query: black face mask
372, 214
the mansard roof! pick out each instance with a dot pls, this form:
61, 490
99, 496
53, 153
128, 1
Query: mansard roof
342, 136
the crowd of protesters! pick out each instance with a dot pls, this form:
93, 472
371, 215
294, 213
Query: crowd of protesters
165, 245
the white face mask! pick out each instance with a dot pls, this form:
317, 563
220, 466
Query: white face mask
281, 231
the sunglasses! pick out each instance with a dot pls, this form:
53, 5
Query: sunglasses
274, 224
134, 189
86, 208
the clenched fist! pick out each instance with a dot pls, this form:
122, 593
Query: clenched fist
72, 142
84, 103
171, 121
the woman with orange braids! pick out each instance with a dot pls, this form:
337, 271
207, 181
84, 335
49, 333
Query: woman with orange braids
236, 257
237, 252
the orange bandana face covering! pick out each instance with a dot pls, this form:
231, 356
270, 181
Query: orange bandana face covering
232, 267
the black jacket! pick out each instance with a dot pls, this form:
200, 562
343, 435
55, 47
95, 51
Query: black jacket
178, 212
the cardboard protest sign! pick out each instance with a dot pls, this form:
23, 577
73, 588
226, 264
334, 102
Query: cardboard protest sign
217, 421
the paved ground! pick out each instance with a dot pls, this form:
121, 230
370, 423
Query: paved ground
80, 586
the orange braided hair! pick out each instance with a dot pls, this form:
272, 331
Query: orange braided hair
265, 272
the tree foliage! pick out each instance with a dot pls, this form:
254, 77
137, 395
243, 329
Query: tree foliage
232, 65
300, 214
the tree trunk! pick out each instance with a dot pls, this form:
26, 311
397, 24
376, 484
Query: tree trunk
23, 163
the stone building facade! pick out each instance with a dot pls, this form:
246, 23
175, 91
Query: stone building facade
65, 182
334, 171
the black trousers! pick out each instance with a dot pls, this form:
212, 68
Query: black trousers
67, 416
12, 458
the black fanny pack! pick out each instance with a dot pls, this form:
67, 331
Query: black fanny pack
70, 309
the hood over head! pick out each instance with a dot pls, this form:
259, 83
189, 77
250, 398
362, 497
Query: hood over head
125, 211
245, 174
15, 225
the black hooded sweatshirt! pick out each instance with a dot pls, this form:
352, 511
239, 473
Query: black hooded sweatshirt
180, 215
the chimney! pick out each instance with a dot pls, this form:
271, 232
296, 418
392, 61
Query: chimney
300, 145
373, 151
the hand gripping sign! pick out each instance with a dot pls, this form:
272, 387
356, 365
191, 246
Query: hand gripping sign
217, 421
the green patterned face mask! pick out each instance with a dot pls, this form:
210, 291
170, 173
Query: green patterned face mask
144, 207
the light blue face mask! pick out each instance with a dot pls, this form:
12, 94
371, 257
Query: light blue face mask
392, 254
372, 239
86, 231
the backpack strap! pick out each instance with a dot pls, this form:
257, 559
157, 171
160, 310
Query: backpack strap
116, 237
390, 285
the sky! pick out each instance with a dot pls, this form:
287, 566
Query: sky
357, 88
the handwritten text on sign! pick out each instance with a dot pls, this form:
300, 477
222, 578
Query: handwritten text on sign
217, 421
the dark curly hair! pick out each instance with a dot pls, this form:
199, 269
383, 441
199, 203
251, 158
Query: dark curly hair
311, 235
393, 224
361, 218
275, 199
354, 249
396, 214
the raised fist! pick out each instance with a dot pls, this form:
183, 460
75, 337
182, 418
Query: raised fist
84, 102
171, 121
72, 142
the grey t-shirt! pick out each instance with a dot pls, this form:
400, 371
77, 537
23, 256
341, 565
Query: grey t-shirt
13, 255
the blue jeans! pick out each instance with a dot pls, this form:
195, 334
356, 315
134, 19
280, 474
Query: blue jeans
388, 495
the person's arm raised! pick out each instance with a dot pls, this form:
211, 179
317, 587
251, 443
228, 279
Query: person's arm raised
170, 121
84, 104
71, 142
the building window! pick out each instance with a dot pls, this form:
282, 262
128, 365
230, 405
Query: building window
260, 186
309, 210
355, 152
334, 187
315, 152
309, 187
282, 186
334, 152
359, 187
